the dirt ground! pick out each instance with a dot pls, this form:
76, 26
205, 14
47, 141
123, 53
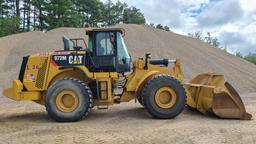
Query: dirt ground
27, 122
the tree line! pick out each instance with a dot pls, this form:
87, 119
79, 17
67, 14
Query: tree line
160, 26
251, 57
209, 39
27, 15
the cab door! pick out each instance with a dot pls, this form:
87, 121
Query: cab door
104, 52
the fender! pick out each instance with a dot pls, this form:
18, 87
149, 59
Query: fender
79, 72
86, 72
145, 78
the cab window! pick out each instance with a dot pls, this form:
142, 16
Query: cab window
123, 56
105, 43
90, 44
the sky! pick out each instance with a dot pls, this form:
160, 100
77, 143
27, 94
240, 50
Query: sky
233, 22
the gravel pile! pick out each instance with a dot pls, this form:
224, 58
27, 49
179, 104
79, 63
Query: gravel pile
196, 56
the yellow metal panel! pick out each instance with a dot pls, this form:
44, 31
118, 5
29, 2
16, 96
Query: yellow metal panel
145, 77
110, 97
107, 95
127, 96
13, 92
54, 74
190, 100
139, 75
30, 95
35, 73
137, 79
208, 92
17, 94
99, 75
114, 75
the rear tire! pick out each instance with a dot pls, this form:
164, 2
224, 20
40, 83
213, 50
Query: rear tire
68, 100
164, 97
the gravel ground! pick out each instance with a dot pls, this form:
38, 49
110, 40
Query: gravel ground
28, 122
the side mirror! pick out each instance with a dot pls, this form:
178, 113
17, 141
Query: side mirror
124, 60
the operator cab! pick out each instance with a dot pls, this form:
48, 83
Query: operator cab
107, 51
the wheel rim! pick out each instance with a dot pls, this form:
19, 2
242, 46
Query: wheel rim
67, 101
165, 97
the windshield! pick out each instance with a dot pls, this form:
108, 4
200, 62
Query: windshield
105, 43
123, 56
90, 44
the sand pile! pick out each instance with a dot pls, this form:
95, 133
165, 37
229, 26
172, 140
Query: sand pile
196, 56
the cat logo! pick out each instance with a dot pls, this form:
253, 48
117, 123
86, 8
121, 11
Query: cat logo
76, 59
68, 60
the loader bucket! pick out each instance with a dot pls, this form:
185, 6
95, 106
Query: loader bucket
209, 93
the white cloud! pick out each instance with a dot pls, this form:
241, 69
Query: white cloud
238, 41
233, 21
248, 5
219, 13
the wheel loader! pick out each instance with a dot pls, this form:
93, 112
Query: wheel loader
70, 82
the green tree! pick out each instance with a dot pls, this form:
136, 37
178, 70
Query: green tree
133, 15
3, 9
26, 15
113, 13
152, 25
90, 12
17, 8
238, 54
251, 58
197, 35
215, 42
9, 23
159, 26
166, 28
8, 26
207, 39
212, 40
39, 16
61, 14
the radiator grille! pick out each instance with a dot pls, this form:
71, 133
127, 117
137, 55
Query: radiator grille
41, 74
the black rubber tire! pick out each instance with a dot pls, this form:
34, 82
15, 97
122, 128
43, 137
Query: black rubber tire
139, 98
150, 89
83, 93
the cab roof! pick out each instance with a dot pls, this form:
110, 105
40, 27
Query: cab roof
91, 30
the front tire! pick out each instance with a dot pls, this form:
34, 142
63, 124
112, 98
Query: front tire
139, 98
68, 100
164, 97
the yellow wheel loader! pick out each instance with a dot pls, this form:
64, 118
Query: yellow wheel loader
71, 82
